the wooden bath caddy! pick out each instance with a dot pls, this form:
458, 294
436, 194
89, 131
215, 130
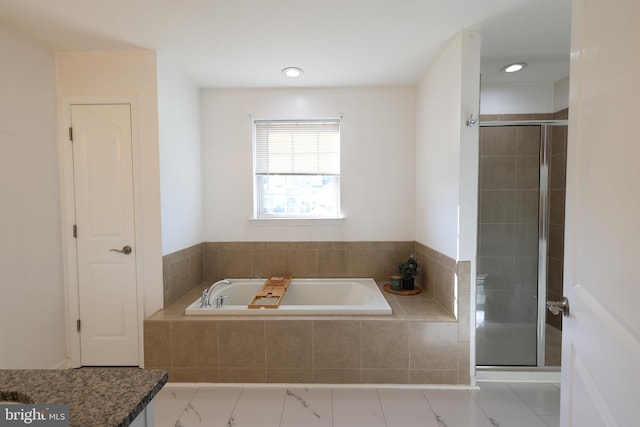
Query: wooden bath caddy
387, 288
271, 293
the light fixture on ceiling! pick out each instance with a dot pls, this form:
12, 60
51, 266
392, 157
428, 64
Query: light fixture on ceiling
292, 72
513, 68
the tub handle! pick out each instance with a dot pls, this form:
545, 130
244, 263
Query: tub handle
220, 301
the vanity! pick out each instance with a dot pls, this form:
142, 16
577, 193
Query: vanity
109, 397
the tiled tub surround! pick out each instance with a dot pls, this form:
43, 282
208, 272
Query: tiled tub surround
181, 272
420, 343
186, 269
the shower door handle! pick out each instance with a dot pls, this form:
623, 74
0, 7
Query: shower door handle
557, 307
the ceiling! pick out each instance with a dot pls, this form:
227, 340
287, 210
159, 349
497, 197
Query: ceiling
245, 43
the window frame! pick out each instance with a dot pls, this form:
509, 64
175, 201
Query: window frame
258, 179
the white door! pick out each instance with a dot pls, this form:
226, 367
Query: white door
103, 176
601, 337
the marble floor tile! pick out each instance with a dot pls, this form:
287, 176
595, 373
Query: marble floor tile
491, 405
307, 407
170, 403
543, 399
406, 408
258, 407
211, 407
456, 408
502, 405
357, 407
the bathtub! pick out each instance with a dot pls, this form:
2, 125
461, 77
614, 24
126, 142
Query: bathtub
303, 297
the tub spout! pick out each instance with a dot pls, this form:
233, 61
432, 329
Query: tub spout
205, 299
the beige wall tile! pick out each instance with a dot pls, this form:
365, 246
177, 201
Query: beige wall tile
267, 262
528, 140
289, 344
433, 376
527, 206
434, 345
334, 263
301, 262
497, 206
498, 173
241, 344
194, 375
464, 277
496, 239
286, 246
464, 361
336, 344
212, 265
336, 376
528, 172
194, 344
497, 141
367, 263
157, 344
289, 375
464, 325
235, 263
385, 376
180, 277
384, 344
242, 375
196, 269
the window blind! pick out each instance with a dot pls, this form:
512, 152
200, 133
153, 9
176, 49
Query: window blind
297, 147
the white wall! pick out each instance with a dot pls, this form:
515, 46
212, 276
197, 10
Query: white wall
32, 305
446, 154
524, 98
516, 98
377, 162
180, 158
99, 75
561, 94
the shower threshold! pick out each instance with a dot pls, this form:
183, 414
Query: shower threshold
546, 374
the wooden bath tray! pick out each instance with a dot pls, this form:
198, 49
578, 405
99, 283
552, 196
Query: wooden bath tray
271, 293
387, 288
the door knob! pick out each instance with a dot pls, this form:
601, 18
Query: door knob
557, 307
125, 250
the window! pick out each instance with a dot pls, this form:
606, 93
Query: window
297, 168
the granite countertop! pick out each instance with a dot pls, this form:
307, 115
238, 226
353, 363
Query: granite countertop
96, 396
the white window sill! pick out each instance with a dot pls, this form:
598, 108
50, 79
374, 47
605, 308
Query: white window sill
297, 221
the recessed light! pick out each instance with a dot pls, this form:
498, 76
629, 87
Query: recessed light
513, 68
292, 72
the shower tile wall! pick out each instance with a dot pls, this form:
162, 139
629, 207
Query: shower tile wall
508, 222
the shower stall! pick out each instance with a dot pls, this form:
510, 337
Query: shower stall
521, 198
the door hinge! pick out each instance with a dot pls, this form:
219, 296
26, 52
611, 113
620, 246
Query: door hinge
78, 325
75, 231
70, 134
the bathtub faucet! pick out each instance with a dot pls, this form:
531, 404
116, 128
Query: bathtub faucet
205, 299
220, 301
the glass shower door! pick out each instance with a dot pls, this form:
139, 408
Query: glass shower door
507, 308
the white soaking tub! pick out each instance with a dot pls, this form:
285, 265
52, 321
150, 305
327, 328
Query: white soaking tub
303, 297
